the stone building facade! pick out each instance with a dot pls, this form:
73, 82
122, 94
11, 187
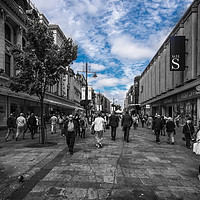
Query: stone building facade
13, 17
102, 103
168, 92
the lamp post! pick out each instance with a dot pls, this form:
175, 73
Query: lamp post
86, 101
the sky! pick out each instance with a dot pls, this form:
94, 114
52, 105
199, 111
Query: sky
117, 38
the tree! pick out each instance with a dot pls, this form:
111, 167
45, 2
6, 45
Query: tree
41, 63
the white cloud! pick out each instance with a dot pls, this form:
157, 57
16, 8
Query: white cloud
125, 47
49, 6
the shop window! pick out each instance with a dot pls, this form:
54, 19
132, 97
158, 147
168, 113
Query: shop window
7, 64
7, 33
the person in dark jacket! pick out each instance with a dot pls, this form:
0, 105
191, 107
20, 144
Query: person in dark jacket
157, 127
69, 130
113, 123
32, 124
126, 123
83, 125
170, 129
188, 131
10, 125
77, 119
162, 132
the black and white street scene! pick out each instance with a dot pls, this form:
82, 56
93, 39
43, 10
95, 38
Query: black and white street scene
99, 100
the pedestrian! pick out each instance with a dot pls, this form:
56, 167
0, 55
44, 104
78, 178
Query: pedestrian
164, 125
135, 121
53, 121
143, 121
32, 124
69, 130
196, 145
113, 123
197, 130
150, 122
157, 127
83, 125
21, 122
99, 127
126, 123
188, 130
60, 121
27, 125
177, 119
77, 119
38, 122
10, 125
106, 118
170, 129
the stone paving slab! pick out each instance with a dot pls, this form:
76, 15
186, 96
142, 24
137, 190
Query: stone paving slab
140, 169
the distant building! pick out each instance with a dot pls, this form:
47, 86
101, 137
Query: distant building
131, 102
102, 103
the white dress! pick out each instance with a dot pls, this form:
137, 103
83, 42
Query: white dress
196, 145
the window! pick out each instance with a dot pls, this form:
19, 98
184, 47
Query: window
7, 33
7, 64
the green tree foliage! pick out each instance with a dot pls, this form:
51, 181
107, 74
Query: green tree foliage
41, 63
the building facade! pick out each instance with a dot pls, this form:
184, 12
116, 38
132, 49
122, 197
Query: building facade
168, 92
13, 17
131, 103
102, 103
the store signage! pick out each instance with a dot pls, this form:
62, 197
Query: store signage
177, 53
89, 93
188, 95
83, 93
148, 106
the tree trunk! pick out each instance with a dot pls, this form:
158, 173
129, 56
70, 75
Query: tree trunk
42, 122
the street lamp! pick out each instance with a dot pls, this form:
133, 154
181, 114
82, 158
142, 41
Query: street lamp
86, 71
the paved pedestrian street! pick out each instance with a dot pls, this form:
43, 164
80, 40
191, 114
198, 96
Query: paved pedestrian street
140, 169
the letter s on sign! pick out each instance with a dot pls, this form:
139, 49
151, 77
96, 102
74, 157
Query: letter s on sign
175, 64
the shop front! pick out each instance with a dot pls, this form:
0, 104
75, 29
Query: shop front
168, 106
24, 103
188, 105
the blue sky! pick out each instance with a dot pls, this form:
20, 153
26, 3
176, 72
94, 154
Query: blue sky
117, 38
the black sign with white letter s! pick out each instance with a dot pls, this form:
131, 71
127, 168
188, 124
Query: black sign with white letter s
177, 53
